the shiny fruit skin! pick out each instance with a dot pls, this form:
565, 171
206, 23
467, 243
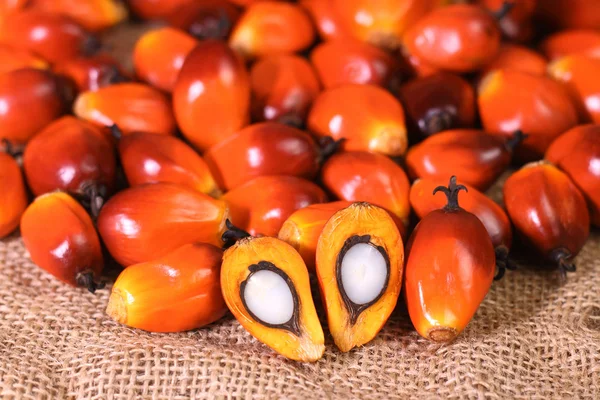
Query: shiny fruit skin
570, 13
350, 61
61, 239
13, 195
478, 158
159, 55
519, 58
261, 205
211, 98
133, 107
67, 155
269, 27
382, 23
154, 9
177, 292
367, 117
283, 89
577, 153
517, 24
25, 93
14, 58
369, 177
146, 222
571, 42
91, 73
472, 30
266, 148
438, 102
9, 7
152, 158
491, 215
548, 211
325, 18
205, 19
450, 266
579, 74
510, 100
63, 39
94, 15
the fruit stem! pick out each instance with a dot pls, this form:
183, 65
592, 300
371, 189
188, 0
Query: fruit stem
232, 234
328, 147
86, 279
451, 193
503, 11
517, 137
503, 262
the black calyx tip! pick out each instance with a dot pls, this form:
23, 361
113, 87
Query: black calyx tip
91, 45
86, 279
328, 147
93, 196
503, 11
516, 138
451, 193
564, 259
11, 149
115, 131
113, 76
232, 234
435, 121
503, 262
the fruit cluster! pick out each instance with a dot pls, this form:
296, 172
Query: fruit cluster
259, 142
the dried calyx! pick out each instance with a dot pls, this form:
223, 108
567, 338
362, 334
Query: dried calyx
436, 120
86, 279
564, 260
517, 138
503, 11
11, 149
92, 197
328, 147
232, 234
503, 262
451, 193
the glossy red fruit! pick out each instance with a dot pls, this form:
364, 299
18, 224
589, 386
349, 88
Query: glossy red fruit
579, 74
91, 73
367, 117
31, 99
477, 157
517, 24
570, 13
70, 250
13, 195
154, 9
211, 98
325, 18
370, 177
261, 206
437, 103
14, 58
510, 100
146, 222
460, 38
283, 89
95, 15
263, 149
450, 266
350, 61
571, 42
548, 211
205, 19
518, 58
269, 27
152, 158
54, 37
72, 156
577, 152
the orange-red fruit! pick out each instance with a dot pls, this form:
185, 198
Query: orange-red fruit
509, 100
460, 38
518, 58
438, 102
570, 13
548, 211
261, 205
159, 55
269, 27
9, 7
325, 18
382, 23
211, 98
177, 292
31, 99
580, 75
14, 58
13, 195
351, 61
146, 222
154, 9
369, 177
134, 107
367, 117
478, 158
94, 15
516, 24
450, 265
263, 149
205, 19
577, 152
283, 89
69, 155
54, 37
571, 42
152, 158
91, 73
61, 239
